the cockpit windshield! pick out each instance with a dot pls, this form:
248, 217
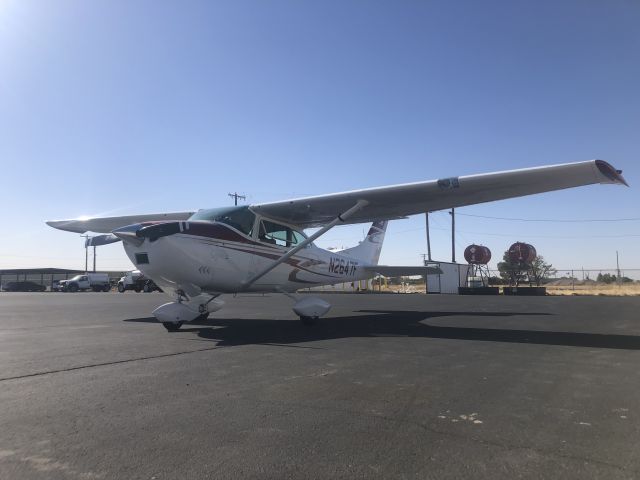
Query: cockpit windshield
240, 218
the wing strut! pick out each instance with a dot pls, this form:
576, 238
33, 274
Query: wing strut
339, 219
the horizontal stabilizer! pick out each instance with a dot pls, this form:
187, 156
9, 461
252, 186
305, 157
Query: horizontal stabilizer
99, 240
400, 271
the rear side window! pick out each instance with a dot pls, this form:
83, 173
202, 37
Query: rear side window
142, 258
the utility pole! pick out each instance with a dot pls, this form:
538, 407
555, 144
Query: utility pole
453, 235
236, 196
426, 216
86, 253
618, 269
94, 259
424, 262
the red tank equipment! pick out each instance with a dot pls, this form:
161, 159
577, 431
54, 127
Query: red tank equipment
522, 253
477, 254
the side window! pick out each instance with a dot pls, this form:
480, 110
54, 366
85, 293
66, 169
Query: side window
295, 238
273, 233
83, 279
279, 234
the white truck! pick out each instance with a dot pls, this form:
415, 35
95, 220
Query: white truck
98, 282
133, 280
136, 281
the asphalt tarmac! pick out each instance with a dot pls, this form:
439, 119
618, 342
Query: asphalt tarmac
386, 386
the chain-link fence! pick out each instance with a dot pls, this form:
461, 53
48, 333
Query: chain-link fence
581, 276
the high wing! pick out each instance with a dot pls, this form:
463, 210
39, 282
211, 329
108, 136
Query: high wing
394, 201
397, 271
108, 224
411, 198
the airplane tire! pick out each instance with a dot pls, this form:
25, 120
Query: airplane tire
308, 321
172, 326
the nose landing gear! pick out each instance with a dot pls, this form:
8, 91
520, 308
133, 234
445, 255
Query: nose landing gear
174, 314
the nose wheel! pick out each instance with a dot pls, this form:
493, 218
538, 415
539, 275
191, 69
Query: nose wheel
172, 326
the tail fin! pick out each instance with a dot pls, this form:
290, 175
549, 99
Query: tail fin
369, 249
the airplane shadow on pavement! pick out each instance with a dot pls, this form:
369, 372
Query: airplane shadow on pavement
381, 323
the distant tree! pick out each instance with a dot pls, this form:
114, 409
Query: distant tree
541, 271
511, 272
515, 273
606, 278
609, 278
495, 280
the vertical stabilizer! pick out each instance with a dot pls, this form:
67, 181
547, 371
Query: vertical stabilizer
369, 249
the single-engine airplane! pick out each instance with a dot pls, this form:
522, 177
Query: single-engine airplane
197, 256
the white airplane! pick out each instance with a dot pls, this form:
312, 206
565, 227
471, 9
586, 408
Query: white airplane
197, 256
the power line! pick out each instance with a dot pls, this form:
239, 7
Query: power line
236, 196
590, 220
469, 232
521, 234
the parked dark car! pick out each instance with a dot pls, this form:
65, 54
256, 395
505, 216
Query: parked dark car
23, 287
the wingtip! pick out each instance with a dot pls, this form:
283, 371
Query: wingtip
614, 175
66, 225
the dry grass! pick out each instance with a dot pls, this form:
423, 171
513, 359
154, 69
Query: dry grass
402, 289
624, 290
591, 288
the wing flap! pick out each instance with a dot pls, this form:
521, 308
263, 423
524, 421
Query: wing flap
413, 198
108, 224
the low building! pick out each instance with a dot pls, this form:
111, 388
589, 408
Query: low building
46, 276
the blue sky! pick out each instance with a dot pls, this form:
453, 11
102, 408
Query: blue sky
116, 107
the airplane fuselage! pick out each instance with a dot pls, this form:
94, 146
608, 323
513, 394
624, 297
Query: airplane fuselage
216, 258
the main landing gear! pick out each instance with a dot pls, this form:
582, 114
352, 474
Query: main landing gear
172, 326
308, 321
309, 309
